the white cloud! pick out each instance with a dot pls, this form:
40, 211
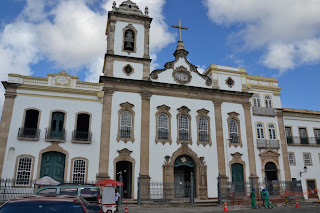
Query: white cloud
201, 68
70, 34
290, 28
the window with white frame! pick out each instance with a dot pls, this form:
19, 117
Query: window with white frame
183, 124
233, 131
307, 159
272, 132
268, 102
23, 173
79, 171
292, 160
260, 131
125, 124
256, 100
163, 126
203, 129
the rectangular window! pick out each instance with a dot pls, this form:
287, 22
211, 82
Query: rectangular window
307, 159
288, 135
303, 136
23, 171
79, 171
292, 160
317, 135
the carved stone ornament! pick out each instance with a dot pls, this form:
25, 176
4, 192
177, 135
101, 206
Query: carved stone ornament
181, 75
100, 94
230, 82
128, 69
62, 79
184, 110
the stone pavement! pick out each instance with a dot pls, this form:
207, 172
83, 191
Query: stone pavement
291, 209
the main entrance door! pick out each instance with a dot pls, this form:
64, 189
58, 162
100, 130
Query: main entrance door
52, 165
237, 177
271, 171
125, 167
183, 167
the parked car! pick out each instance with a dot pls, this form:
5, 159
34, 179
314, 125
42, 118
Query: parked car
44, 204
89, 194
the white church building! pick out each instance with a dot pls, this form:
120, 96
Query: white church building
162, 124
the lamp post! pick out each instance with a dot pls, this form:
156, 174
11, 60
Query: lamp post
305, 170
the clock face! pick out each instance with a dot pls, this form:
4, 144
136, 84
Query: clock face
181, 76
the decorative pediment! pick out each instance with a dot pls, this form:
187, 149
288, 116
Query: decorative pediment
184, 110
163, 107
124, 152
203, 111
233, 114
269, 153
127, 105
62, 79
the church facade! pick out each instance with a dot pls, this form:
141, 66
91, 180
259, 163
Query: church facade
163, 125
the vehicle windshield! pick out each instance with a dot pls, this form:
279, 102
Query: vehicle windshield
90, 194
42, 207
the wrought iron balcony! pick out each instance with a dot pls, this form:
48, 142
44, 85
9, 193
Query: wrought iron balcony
125, 132
57, 135
81, 136
264, 111
296, 140
234, 139
163, 134
183, 135
28, 134
265, 144
203, 137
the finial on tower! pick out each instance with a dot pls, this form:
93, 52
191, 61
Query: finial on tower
180, 27
146, 11
114, 5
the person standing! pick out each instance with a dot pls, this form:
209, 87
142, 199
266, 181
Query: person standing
117, 196
253, 196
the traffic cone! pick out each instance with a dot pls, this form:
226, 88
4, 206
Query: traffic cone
126, 209
297, 204
225, 207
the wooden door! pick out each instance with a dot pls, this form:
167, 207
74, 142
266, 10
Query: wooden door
57, 123
311, 184
52, 165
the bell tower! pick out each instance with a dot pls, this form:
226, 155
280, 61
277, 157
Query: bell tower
127, 42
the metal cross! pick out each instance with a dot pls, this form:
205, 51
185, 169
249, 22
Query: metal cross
180, 27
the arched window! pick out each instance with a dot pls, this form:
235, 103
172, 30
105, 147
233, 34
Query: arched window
30, 128
203, 129
125, 124
256, 100
233, 131
272, 132
24, 168
81, 132
260, 132
129, 38
183, 126
268, 102
163, 126
79, 171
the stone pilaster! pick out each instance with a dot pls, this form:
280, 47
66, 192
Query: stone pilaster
219, 138
284, 148
145, 127
105, 136
10, 95
111, 35
251, 153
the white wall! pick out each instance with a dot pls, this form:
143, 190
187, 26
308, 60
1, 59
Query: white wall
118, 40
46, 105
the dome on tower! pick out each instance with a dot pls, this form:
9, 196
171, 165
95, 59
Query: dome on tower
129, 7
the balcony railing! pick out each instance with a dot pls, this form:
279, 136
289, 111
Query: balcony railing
263, 111
265, 144
28, 134
183, 135
58, 135
163, 134
303, 140
81, 136
203, 137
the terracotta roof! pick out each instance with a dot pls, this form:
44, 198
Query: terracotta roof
304, 111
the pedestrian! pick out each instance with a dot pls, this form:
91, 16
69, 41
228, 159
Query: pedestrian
262, 196
253, 196
267, 202
117, 196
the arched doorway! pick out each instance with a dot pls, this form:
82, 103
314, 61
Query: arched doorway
271, 177
53, 165
183, 167
125, 167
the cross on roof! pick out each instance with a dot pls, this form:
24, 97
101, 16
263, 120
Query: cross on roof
180, 27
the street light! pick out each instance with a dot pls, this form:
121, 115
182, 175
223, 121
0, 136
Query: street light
305, 170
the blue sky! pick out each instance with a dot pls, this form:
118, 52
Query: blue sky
269, 38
